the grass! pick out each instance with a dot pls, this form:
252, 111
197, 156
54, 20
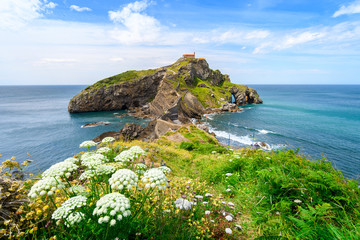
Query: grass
122, 77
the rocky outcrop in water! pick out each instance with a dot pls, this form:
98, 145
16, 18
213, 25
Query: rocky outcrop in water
176, 93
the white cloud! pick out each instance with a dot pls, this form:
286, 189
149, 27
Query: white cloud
116, 59
50, 5
350, 9
257, 34
301, 38
79, 9
137, 26
17, 13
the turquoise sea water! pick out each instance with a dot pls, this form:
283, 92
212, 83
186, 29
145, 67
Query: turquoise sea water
35, 120
318, 120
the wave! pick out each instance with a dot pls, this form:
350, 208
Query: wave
245, 140
264, 131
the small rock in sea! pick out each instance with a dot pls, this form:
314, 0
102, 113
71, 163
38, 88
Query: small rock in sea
95, 124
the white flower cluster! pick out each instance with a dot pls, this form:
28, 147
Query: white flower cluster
108, 139
123, 178
137, 151
140, 168
77, 190
87, 174
155, 177
165, 169
65, 211
73, 218
92, 160
72, 160
105, 170
46, 186
60, 169
87, 144
103, 150
111, 208
129, 155
124, 157
183, 204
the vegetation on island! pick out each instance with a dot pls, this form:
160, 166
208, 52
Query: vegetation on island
185, 185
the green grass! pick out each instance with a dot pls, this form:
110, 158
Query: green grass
278, 192
122, 77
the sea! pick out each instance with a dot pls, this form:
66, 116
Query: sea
319, 121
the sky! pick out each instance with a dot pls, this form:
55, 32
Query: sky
63, 42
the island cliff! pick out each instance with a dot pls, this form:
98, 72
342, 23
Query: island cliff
183, 90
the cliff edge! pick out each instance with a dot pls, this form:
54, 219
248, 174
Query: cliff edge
185, 89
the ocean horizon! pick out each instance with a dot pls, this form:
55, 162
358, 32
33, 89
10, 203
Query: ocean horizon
320, 121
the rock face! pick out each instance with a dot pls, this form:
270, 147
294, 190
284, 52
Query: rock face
176, 93
120, 96
132, 131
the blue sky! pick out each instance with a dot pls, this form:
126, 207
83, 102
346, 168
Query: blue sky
254, 41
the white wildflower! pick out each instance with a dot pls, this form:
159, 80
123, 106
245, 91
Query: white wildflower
103, 150
112, 206
77, 190
87, 144
93, 160
155, 178
199, 197
108, 140
124, 157
183, 204
60, 169
207, 212
105, 170
231, 204
208, 195
88, 174
72, 160
297, 201
228, 230
67, 211
165, 169
44, 186
140, 168
68, 207
123, 178
228, 174
137, 151
229, 218
238, 226
112, 222
228, 190
73, 218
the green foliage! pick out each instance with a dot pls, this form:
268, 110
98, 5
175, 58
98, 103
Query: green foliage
187, 146
120, 78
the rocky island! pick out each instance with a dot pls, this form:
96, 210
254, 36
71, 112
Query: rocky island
174, 94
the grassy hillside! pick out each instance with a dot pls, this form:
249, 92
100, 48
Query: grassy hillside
231, 194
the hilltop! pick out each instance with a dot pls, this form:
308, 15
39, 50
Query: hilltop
183, 90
